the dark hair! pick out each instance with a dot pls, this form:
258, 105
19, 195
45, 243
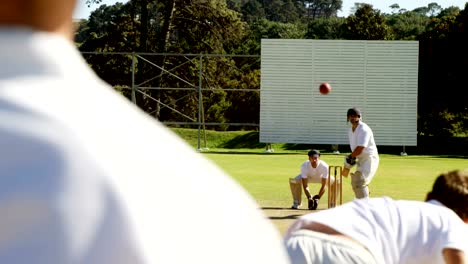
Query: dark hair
313, 152
451, 189
353, 111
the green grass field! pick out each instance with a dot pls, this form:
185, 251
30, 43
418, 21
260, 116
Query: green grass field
265, 175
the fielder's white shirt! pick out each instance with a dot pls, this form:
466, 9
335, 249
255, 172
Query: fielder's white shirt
315, 175
396, 231
86, 177
362, 136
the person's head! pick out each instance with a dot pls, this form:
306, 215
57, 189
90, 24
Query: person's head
42, 15
314, 156
451, 189
353, 115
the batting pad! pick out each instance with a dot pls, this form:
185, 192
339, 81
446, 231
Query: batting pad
296, 189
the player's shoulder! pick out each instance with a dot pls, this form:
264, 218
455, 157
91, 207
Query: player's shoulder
323, 164
363, 126
430, 208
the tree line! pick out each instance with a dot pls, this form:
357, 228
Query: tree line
237, 26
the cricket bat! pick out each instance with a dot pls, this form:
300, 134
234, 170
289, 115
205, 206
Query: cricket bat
345, 172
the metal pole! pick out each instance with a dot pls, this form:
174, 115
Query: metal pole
403, 153
200, 99
133, 79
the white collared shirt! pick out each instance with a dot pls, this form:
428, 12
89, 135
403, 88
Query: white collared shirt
362, 136
314, 175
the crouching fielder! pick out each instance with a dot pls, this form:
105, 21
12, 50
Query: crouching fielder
364, 154
383, 230
313, 170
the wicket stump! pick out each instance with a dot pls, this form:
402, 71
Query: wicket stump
335, 190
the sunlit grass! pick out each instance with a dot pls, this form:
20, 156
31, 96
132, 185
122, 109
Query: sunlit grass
265, 175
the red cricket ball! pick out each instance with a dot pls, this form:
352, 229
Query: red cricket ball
324, 88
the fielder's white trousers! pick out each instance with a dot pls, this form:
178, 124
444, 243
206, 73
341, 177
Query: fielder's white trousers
296, 187
310, 247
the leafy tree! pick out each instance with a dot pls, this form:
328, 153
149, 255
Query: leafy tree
273, 10
331, 7
202, 27
407, 25
433, 9
443, 63
421, 10
449, 11
109, 29
170, 26
245, 106
285, 11
205, 27
321, 8
366, 24
234, 5
291, 12
139, 8
462, 23
395, 8
268, 29
252, 11
440, 28
80, 31
325, 28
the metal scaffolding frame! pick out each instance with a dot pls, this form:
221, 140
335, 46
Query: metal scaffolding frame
140, 88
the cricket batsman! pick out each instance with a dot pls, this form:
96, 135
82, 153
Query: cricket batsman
364, 154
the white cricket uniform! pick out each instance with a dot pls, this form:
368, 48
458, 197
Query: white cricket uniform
314, 175
87, 177
368, 160
394, 231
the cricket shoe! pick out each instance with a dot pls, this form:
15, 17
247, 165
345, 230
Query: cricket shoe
295, 206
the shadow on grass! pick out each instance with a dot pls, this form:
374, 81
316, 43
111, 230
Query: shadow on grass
246, 141
276, 208
447, 156
250, 140
284, 217
433, 146
289, 209
288, 213
248, 153
320, 147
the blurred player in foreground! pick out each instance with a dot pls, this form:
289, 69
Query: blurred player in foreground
86, 177
363, 153
313, 170
382, 230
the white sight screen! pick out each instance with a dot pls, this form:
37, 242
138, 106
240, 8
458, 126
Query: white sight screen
378, 77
